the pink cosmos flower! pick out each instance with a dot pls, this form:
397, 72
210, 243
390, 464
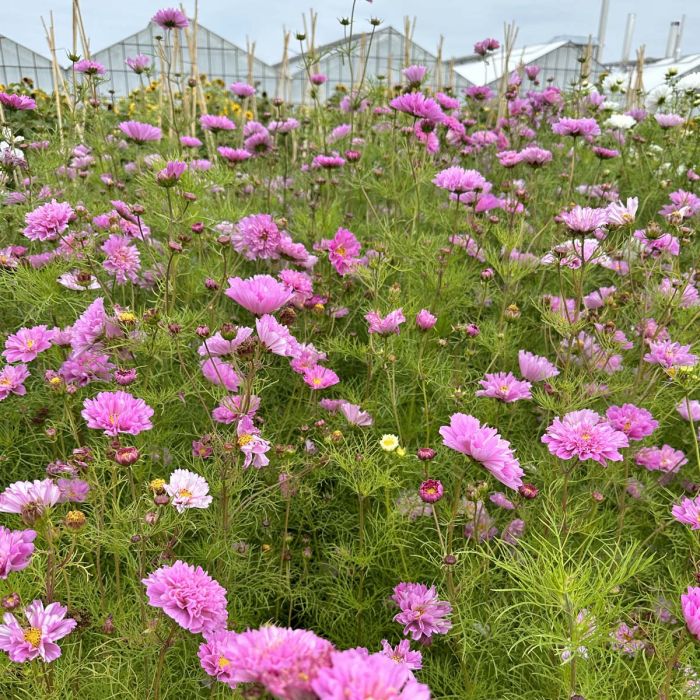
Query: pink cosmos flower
189, 595
431, 491
357, 675
284, 661
504, 386
584, 219
535, 368
260, 294
139, 64
668, 121
89, 67
402, 654
355, 415
458, 180
257, 237
27, 343
619, 214
123, 260
251, 444
242, 89
89, 327
387, 324
664, 459
275, 337
636, 423
20, 103
233, 408
481, 48
690, 603
221, 373
170, 18
415, 74
12, 379
140, 132
29, 498
117, 412
567, 126
425, 320
215, 123
670, 355
48, 221
187, 490
421, 613
319, 377
233, 155
343, 251
483, 444
418, 105
217, 345
535, 156
73, 490
171, 173
688, 512
585, 435
688, 409
657, 245
216, 658
300, 283
16, 549
46, 626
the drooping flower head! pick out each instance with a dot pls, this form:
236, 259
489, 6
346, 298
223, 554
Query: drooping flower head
535, 368
251, 444
30, 499
16, 549
483, 444
187, 490
170, 18
189, 595
117, 412
585, 435
421, 613
46, 626
140, 132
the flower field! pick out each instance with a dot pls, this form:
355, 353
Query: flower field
394, 396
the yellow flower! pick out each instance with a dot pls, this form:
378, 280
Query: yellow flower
389, 443
401, 451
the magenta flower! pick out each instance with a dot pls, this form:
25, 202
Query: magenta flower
216, 657
535, 156
123, 260
431, 491
12, 379
233, 155
88, 67
425, 320
190, 141
357, 675
242, 90
46, 627
504, 386
387, 324
421, 613
535, 368
415, 74
402, 654
319, 377
27, 343
459, 180
690, 603
328, 162
257, 237
670, 355
73, 490
16, 549
567, 126
636, 423
260, 294
221, 373
187, 490
483, 444
117, 412
30, 499
189, 595
481, 48
663, 459
140, 132
355, 415
170, 175
214, 123
688, 512
418, 105
284, 661
139, 64
275, 337
217, 345
585, 435
20, 103
688, 409
584, 219
170, 18
343, 251
89, 327
233, 408
48, 221
251, 444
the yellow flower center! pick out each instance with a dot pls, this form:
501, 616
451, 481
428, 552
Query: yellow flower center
316, 381
244, 439
184, 493
504, 388
55, 381
33, 636
223, 662
127, 317
113, 418
157, 484
30, 344
340, 250
586, 436
5, 382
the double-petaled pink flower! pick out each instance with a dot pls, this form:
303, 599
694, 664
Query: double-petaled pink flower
117, 412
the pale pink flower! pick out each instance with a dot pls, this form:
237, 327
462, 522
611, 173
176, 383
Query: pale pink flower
504, 386
535, 368
187, 490
27, 343
260, 294
387, 324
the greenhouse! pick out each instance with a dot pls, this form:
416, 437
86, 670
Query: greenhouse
17, 62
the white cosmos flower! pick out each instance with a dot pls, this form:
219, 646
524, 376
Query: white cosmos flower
188, 490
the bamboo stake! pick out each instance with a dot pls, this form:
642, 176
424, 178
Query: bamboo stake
51, 41
437, 76
510, 32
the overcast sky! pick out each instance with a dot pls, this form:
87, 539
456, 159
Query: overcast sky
461, 22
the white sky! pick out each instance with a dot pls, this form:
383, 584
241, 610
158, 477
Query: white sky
461, 22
